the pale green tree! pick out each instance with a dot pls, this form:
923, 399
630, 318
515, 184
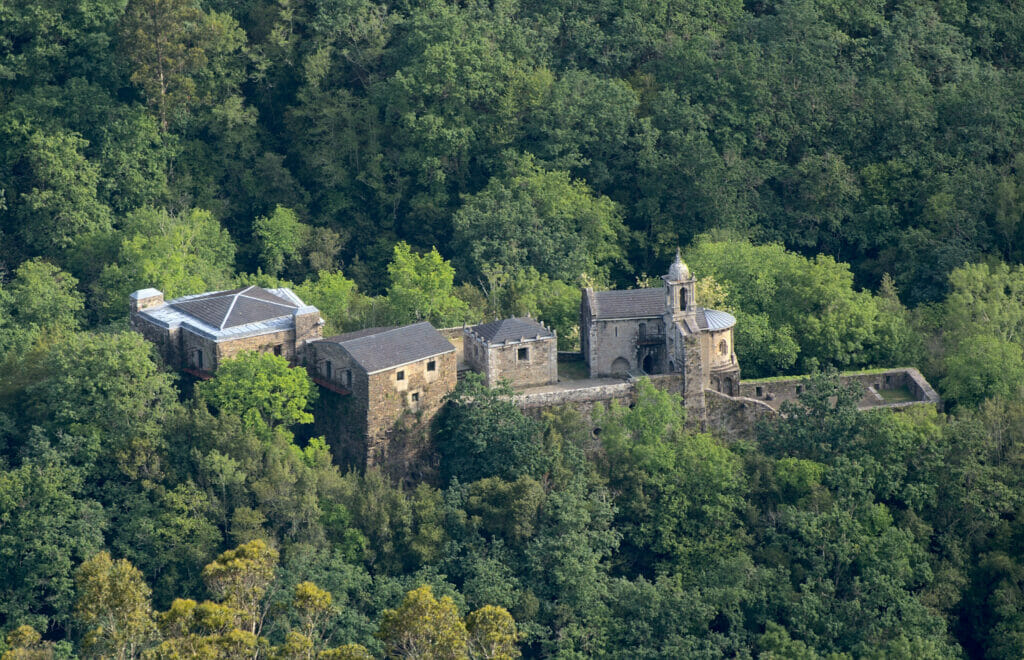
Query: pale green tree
114, 608
492, 634
421, 288
261, 388
240, 579
424, 627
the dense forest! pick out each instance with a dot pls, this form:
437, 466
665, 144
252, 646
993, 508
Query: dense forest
845, 176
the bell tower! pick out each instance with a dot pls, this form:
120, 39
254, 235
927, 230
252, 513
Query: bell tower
680, 289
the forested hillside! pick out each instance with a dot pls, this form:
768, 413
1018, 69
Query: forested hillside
845, 176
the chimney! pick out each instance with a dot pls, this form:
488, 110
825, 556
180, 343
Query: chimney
145, 299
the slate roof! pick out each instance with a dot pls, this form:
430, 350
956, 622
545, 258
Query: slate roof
629, 303
377, 349
511, 331
228, 309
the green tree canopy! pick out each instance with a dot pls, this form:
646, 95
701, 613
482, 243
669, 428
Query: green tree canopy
546, 220
261, 388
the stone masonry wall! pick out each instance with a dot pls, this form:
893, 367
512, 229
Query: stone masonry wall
390, 399
540, 367
167, 341
775, 392
735, 417
340, 418
262, 343
610, 340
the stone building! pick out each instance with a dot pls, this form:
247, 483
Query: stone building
195, 333
520, 350
376, 378
660, 330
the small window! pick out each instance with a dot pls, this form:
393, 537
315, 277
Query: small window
760, 392
328, 370
347, 378
414, 401
524, 354
432, 365
400, 375
682, 299
723, 347
197, 359
278, 349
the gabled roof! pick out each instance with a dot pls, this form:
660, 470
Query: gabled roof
377, 349
511, 331
228, 309
628, 303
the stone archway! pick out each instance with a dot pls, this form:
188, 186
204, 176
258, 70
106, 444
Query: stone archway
648, 364
620, 367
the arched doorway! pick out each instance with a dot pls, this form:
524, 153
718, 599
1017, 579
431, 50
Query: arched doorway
620, 367
648, 364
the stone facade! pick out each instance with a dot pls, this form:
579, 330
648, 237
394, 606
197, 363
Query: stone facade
658, 331
773, 392
370, 404
521, 351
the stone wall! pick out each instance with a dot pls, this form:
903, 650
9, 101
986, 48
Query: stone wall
609, 341
340, 417
735, 417
457, 336
774, 392
418, 395
263, 343
167, 341
540, 367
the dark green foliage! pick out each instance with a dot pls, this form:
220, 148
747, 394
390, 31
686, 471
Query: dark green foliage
483, 434
824, 164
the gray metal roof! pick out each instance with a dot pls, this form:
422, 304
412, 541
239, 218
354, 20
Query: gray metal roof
229, 309
377, 349
511, 330
717, 320
177, 313
629, 303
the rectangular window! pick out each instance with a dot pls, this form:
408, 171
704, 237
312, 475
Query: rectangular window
348, 378
524, 354
400, 375
760, 391
414, 401
278, 349
328, 371
432, 366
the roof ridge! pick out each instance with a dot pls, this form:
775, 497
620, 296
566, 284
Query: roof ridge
234, 299
269, 302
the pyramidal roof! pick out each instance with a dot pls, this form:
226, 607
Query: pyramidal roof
511, 330
229, 309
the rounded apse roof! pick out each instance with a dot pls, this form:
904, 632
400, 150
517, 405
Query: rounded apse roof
719, 320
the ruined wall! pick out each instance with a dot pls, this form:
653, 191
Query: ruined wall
776, 391
735, 417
